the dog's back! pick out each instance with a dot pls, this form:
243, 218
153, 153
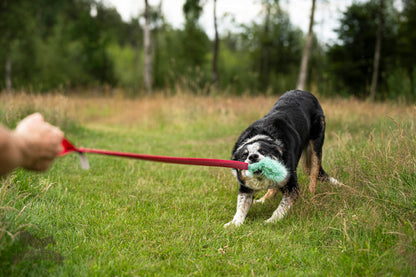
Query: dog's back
302, 111
297, 113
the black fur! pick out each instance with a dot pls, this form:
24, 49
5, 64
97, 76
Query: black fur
296, 120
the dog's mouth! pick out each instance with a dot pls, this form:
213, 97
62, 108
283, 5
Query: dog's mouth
257, 173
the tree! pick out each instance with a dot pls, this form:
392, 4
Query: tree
351, 61
74, 39
216, 48
274, 51
195, 46
407, 42
303, 72
266, 48
377, 52
147, 71
195, 41
15, 24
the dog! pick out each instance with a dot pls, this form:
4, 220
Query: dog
294, 127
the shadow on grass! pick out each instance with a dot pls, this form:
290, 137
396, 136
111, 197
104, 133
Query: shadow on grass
28, 255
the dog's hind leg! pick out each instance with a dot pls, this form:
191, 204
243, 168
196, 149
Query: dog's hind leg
270, 194
314, 150
306, 159
315, 168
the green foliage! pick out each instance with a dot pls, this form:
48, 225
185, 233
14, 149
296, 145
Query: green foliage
192, 10
66, 44
247, 57
58, 43
351, 61
127, 60
61, 67
406, 42
237, 76
400, 85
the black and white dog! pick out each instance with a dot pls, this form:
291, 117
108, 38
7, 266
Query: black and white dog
294, 126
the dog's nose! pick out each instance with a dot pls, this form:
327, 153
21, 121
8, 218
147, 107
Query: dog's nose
253, 157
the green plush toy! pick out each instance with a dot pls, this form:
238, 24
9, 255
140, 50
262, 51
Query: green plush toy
270, 169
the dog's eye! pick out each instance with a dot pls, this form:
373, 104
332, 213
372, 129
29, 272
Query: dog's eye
261, 151
244, 156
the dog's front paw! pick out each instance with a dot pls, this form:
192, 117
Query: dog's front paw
259, 201
271, 220
277, 216
233, 223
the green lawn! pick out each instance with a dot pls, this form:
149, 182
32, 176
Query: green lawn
134, 218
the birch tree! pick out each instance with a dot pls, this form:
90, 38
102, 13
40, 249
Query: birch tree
216, 48
303, 72
377, 51
147, 70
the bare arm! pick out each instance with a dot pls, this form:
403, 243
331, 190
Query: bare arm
32, 145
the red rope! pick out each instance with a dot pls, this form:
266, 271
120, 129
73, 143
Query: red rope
69, 147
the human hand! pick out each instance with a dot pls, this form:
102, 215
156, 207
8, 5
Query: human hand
38, 141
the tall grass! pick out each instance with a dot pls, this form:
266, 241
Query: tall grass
124, 217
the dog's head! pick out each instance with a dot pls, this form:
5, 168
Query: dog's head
254, 150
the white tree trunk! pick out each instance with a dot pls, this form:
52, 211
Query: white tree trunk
303, 73
377, 50
147, 71
216, 48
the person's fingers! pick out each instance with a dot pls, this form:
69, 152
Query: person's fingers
36, 116
33, 118
40, 142
55, 140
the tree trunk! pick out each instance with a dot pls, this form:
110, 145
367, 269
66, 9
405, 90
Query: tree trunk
147, 72
216, 48
377, 51
303, 73
8, 73
265, 52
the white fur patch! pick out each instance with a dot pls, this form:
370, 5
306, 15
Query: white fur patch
282, 209
244, 201
253, 149
250, 140
260, 137
335, 182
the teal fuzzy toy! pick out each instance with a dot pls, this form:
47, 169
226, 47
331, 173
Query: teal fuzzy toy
270, 169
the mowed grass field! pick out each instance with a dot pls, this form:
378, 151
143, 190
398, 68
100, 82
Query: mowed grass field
134, 218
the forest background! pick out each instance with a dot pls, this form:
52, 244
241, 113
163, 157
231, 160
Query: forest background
68, 45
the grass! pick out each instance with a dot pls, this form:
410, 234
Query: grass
132, 218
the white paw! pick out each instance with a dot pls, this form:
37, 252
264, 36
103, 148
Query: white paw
277, 216
233, 223
335, 182
261, 201
271, 220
